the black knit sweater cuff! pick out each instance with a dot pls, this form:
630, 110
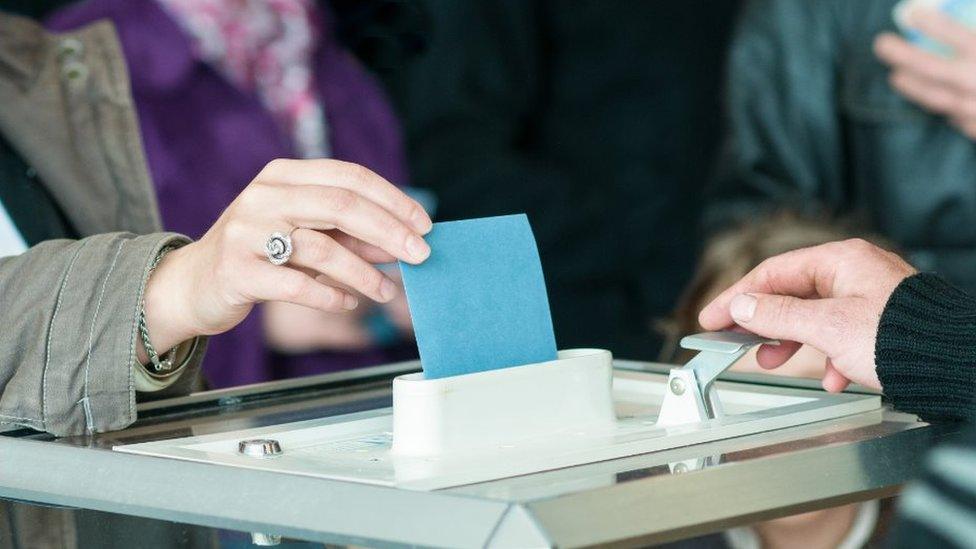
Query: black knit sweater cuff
926, 349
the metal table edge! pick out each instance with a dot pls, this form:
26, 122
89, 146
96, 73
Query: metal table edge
660, 509
304, 508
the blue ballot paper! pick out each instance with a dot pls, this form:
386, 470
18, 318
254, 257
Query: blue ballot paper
479, 301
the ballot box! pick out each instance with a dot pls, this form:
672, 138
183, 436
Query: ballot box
313, 459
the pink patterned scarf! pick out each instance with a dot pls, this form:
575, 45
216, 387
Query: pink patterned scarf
265, 47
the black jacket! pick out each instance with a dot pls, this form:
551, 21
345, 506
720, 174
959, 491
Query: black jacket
597, 118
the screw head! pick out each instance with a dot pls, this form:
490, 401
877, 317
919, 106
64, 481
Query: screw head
677, 386
259, 447
680, 468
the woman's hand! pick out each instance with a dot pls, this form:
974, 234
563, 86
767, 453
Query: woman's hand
296, 329
829, 297
398, 311
945, 86
344, 217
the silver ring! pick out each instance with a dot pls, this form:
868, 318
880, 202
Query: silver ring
278, 248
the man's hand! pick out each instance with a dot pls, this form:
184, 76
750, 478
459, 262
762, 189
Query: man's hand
945, 86
829, 297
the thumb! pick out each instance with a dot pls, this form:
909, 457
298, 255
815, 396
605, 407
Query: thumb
783, 317
834, 381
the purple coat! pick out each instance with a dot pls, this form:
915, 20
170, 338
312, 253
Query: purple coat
205, 140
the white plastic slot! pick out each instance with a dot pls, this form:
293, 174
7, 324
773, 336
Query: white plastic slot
433, 417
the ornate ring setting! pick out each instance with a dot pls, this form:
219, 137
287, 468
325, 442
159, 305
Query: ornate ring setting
278, 247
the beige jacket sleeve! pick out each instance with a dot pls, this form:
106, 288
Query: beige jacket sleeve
69, 313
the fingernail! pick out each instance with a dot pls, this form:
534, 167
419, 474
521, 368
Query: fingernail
349, 302
743, 307
417, 248
421, 221
388, 290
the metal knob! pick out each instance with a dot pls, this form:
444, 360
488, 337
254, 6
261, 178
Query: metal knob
259, 447
265, 540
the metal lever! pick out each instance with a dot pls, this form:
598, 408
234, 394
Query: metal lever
689, 397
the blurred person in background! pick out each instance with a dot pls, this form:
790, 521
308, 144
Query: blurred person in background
727, 257
221, 88
831, 113
100, 308
595, 118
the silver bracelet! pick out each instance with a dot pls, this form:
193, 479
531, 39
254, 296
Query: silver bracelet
160, 364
